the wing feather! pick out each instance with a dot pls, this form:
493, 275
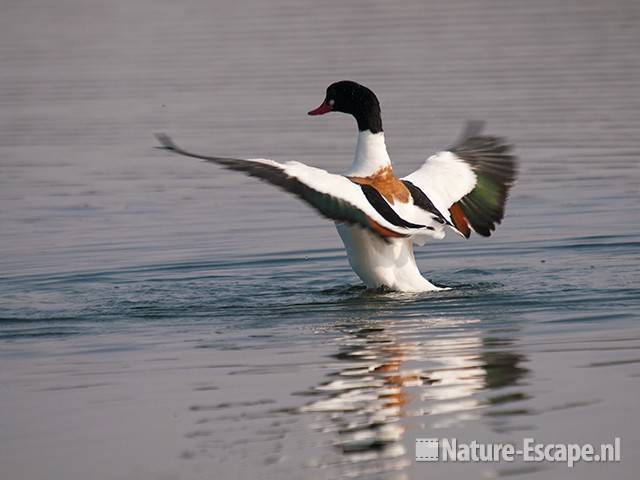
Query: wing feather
334, 196
475, 174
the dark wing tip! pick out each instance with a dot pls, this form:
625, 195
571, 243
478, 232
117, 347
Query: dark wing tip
165, 141
491, 159
472, 128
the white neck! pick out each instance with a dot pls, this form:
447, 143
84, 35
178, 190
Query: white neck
371, 155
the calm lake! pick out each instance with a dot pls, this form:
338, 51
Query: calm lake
161, 318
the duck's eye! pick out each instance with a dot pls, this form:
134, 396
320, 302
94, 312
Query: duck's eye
331, 102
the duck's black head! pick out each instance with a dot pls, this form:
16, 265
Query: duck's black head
351, 97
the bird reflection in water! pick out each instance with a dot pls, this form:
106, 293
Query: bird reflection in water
393, 376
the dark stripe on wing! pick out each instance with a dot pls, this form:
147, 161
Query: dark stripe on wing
331, 207
378, 202
421, 200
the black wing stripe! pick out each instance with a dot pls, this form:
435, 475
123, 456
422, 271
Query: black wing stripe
421, 200
378, 202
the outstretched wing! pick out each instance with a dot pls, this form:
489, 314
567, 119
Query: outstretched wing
334, 196
469, 183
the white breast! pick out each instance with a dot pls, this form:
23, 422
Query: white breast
379, 263
371, 155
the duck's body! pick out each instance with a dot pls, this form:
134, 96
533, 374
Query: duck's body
379, 216
381, 264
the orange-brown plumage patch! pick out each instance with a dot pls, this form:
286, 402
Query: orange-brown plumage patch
385, 182
459, 219
383, 231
